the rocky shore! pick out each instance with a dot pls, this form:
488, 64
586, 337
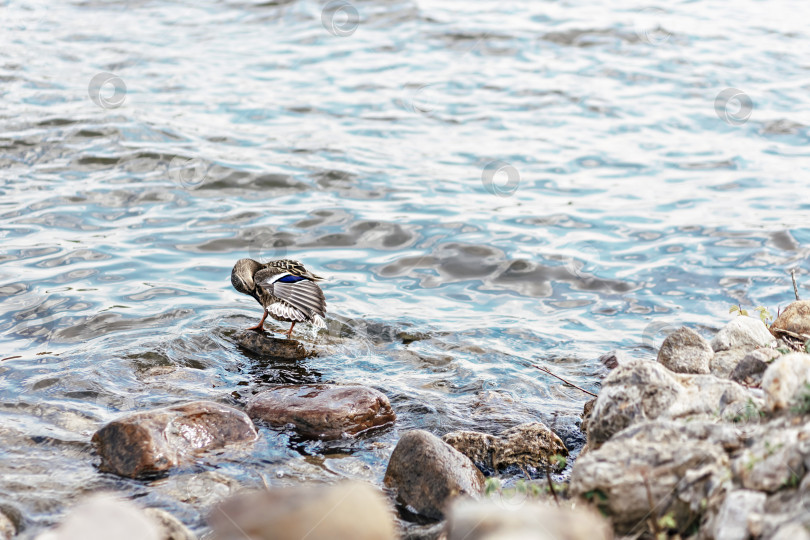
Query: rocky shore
710, 439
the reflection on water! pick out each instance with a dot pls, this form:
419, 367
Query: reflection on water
484, 191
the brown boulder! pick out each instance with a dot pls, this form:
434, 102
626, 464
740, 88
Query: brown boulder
323, 411
344, 511
271, 347
793, 321
427, 474
155, 441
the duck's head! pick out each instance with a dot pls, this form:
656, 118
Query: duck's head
242, 276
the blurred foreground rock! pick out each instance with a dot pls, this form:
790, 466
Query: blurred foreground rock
526, 445
323, 411
271, 347
427, 474
154, 441
486, 520
7, 527
105, 517
344, 511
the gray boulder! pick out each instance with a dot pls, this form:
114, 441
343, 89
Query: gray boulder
427, 474
731, 521
774, 458
784, 379
661, 466
685, 351
742, 333
724, 363
635, 391
753, 365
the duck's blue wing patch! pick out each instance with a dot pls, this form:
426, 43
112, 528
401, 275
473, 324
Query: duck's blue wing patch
291, 279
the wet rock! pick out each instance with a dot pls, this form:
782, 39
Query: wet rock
104, 516
774, 459
685, 351
731, 520
725, 362
753, 365
633, 392
795, 319
526, 445
427, 474
478, 447
569, 430
486, 520
587, 409
612, 359
323, 411
681, 463
742, 333
784, 379
271, 347
154, 441
169, 527
343, 511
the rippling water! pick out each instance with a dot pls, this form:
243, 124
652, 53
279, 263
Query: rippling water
506, 183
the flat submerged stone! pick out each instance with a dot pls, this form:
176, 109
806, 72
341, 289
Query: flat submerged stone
323, 411
271, 347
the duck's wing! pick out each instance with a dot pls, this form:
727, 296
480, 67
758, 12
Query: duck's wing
299, 292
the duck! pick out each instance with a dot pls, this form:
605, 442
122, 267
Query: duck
286, 290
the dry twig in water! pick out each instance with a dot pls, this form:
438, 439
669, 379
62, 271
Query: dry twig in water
546, 370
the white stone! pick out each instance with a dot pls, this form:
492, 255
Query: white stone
744, 332
783, 380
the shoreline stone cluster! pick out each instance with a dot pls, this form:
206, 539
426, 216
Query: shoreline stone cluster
709, 440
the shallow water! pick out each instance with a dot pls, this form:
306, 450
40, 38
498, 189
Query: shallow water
506, 183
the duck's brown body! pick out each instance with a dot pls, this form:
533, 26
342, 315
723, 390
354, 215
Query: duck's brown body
285, 289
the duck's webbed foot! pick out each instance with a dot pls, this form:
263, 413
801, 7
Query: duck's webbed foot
259, 327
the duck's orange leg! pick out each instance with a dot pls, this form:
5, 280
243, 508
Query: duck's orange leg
289, 332
260, 327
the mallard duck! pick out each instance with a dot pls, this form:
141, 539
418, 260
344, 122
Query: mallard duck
285, 289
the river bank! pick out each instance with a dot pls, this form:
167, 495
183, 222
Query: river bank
710, 439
